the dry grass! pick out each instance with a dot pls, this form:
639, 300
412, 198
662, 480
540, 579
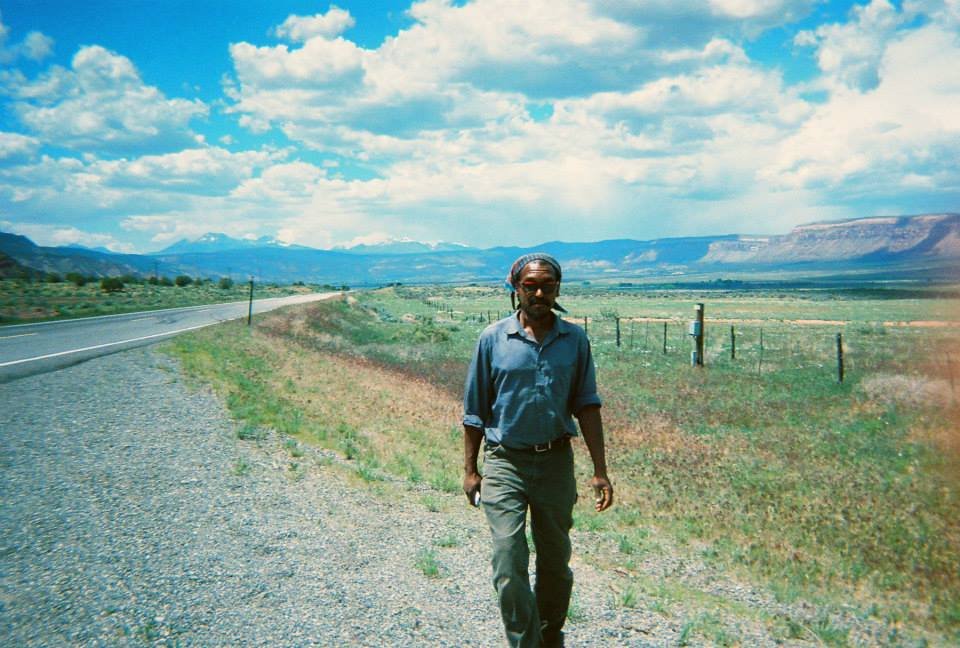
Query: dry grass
817, 488
378, 401
909, 391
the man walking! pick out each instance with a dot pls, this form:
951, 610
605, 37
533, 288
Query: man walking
530, 375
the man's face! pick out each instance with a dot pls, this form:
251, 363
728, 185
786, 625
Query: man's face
537, 289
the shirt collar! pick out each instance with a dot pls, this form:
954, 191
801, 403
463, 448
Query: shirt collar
512, 327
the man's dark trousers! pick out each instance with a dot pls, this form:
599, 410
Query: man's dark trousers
514, 480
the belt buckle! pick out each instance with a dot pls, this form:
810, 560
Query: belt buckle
542, 447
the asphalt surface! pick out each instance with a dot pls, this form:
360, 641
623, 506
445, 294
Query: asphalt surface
29, 349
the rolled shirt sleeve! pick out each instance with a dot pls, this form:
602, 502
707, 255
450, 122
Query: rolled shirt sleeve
585, 390
477, 390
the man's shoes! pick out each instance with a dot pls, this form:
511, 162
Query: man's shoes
553, 640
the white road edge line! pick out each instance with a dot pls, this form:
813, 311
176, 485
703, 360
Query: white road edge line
7, 337
122, 315
6, 327
103, 346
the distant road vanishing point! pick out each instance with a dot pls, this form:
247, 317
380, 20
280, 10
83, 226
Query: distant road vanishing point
28, 349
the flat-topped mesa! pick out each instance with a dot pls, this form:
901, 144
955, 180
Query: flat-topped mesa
922, 236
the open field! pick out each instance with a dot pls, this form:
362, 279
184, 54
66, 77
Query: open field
846, 496
31, 301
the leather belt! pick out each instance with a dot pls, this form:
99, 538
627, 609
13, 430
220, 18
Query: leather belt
540, 447
549, 445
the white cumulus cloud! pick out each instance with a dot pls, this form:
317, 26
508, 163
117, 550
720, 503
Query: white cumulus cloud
102, 105
850, 53
15, 147
905, 127
328, 25
36, 46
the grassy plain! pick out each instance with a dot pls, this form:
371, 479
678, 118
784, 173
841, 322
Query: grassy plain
763, 465
30, 301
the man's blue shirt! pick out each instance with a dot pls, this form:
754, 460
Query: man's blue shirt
521, 393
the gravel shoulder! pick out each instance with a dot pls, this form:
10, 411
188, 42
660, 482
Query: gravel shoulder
132, 515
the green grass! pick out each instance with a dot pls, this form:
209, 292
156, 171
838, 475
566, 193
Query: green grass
240, 467
777, 473
447, 541
426, 561
575, 612
25, 301
431, 502
628, 598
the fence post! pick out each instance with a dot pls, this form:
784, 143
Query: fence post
698, 335
617, 320
733, 344
664, 338
760, 362
631, 333
585, 329
839, 357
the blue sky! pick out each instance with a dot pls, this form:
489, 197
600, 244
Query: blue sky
133, 124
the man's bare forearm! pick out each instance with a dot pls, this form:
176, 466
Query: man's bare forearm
591, 425
472, 437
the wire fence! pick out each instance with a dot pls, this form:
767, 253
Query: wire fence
840, 350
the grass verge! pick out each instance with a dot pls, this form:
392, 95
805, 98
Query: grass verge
24, 301
774, 472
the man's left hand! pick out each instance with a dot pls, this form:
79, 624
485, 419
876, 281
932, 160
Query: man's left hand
604, 491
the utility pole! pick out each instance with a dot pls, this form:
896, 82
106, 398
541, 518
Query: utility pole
250, 307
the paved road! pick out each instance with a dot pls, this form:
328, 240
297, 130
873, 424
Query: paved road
28, 349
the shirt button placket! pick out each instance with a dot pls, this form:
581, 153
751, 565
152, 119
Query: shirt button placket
541, 387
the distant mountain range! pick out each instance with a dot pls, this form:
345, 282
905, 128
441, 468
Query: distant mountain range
924, 247
214, 242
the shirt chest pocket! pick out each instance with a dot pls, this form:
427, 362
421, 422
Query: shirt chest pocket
514, 369
558, 374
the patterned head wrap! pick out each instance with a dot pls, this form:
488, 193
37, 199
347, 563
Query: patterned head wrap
513, 278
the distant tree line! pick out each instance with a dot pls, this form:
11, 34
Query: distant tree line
116, 283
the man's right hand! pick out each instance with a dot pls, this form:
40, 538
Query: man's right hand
471, 486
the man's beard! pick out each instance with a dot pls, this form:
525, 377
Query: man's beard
537, 314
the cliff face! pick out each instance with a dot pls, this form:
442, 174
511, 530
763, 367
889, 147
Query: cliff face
928, 235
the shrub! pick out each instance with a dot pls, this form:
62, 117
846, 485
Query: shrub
111, 284
76, 279
183, 280
226, 283
166, 281
53, 277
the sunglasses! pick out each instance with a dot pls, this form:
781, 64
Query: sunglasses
547, 287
